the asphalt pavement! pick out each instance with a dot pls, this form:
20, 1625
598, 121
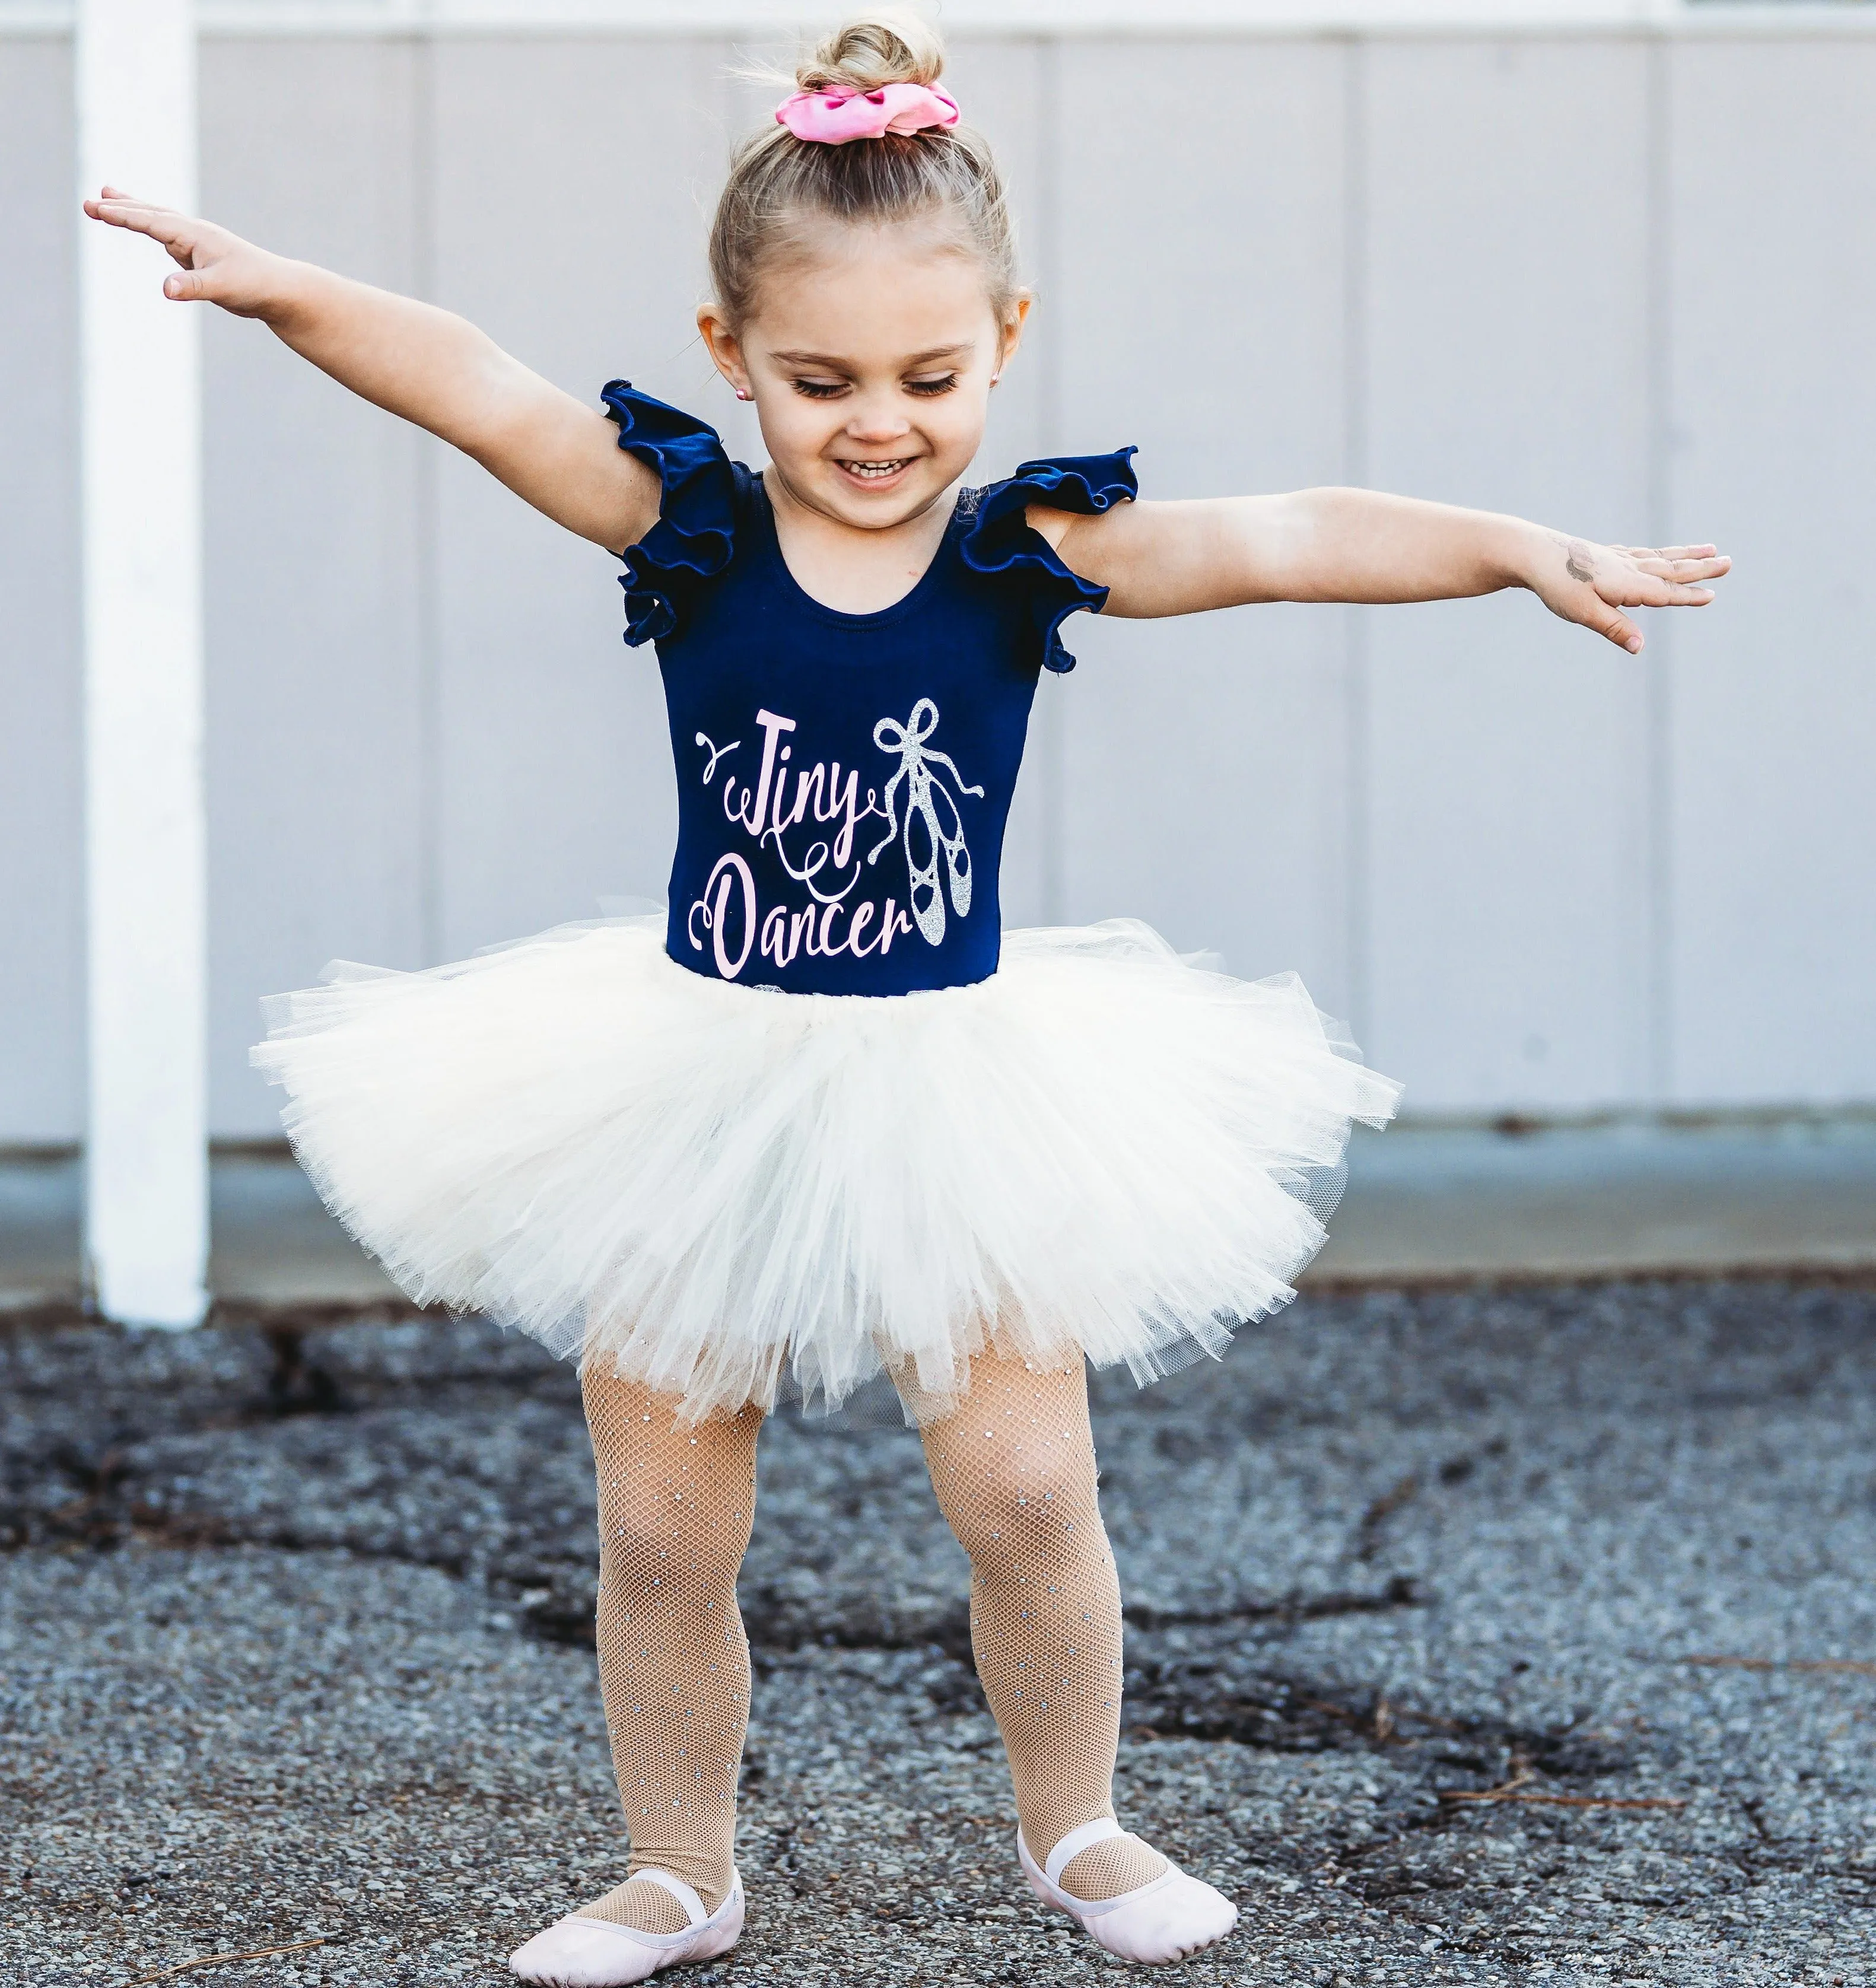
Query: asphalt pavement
1505, 1635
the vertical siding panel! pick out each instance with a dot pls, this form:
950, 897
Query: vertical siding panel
999, 85
1201, 316
313, 740
42, 935
571, 189
1002, 86
1773, 693
1507, 368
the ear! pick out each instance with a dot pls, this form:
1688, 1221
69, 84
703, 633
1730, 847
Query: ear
726, 349
1009, 333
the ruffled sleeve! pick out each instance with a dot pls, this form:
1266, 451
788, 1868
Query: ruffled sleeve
694, 536
1001, 543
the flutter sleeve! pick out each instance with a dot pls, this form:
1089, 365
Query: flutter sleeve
1000, 542
694, 535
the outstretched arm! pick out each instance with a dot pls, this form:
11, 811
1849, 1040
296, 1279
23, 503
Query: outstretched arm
1362, 545
428, 365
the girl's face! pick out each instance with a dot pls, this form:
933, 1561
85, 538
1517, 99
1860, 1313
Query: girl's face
870, 356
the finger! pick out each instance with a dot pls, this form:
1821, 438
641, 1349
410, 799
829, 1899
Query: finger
1666, 552
186, 286
117, 198
1607, 619
1684, 569
1687, 557
1662, 594
161, 223
117, 212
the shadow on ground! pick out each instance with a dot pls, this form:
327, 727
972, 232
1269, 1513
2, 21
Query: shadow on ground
1474, 1637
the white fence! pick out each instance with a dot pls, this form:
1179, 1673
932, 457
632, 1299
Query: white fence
1620, 280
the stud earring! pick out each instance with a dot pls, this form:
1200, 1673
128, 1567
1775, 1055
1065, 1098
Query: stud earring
743, 393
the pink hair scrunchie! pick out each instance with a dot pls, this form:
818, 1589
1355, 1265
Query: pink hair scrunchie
838, 116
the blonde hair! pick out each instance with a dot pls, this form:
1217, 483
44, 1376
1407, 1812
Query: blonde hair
779, 185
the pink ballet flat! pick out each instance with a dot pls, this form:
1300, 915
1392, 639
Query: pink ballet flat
580, 1953
1173, 1916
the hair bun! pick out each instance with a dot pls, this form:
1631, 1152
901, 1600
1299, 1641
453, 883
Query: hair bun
892, 45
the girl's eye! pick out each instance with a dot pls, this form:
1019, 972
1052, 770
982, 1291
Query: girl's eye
943, 384
820, 390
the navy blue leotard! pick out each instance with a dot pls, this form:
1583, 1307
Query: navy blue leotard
842, 779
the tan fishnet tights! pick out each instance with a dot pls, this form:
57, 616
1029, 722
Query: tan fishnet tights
676, 1504
1014, 1471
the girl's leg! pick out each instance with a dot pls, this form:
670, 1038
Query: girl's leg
676, 1503
1014, 1471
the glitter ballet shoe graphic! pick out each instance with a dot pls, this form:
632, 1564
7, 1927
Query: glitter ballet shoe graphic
922, 771
1166, 1920
578, 1951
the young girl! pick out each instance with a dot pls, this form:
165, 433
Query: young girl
828, 1118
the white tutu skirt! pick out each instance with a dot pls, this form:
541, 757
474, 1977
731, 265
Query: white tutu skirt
726, 1192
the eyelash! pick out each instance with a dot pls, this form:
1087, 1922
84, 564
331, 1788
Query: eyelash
828, 390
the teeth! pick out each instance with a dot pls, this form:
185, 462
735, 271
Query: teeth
876, 469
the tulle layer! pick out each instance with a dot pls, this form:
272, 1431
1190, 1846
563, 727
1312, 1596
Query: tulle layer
721, 1190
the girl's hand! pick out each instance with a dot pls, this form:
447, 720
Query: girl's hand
217, 268
1592, 584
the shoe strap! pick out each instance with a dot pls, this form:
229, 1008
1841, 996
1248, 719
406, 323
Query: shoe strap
693, 1905
1072, 1845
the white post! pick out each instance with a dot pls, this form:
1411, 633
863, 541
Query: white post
146, 1154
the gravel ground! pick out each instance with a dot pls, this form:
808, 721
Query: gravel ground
296, 1641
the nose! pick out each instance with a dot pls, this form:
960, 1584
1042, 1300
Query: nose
877, 419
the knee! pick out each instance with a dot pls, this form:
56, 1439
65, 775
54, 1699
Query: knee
1016, 1511
661, 1544
674, 1509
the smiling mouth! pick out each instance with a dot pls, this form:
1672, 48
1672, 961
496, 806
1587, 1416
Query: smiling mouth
877, 472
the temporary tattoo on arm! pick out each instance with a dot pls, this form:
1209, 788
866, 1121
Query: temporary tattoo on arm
1579, 560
